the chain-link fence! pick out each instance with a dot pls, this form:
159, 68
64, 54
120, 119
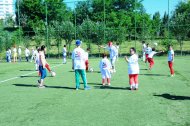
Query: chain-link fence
95, 22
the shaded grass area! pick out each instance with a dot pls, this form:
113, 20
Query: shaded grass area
160, 100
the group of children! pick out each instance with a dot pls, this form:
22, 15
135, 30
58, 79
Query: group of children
80, 63
107, 67
148, 54
17, 54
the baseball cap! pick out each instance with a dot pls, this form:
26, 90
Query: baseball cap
78, 42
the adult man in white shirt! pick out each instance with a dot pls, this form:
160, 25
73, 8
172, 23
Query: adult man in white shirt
113, 53
78, 65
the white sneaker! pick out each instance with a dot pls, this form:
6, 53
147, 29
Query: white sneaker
41, 86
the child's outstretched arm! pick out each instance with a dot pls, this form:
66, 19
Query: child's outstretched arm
126, 59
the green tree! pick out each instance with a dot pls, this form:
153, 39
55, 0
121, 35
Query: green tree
179, 21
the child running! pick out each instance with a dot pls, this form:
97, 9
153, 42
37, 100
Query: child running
150, 58
105, 67
171, 60
147, 51
133, 69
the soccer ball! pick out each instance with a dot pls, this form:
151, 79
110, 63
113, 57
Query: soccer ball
91, 69
155, 44
53, 74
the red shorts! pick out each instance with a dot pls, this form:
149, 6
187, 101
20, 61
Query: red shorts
133, 79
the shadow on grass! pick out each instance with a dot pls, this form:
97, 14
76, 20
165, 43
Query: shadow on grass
94, 84
173, 97
143, 69
27, 70
57, 87
87, 71
29, 76
110, 87
154, 75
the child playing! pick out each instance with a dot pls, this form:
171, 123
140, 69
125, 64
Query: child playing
133, 69
8, 56
42, 69
86, 62
14, 54
150, 58
147, 51
171, 59
105, 67
64, 54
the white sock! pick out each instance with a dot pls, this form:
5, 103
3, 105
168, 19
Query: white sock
137, 86
131, 86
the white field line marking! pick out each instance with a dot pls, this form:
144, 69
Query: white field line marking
24, 75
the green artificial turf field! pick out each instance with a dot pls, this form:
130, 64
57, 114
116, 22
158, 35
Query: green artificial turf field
160, 101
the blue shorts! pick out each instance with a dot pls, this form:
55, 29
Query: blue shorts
42, 72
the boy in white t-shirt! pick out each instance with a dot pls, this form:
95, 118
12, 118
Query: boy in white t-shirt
117, 51
133, 69
147, 51
27, 53
150, 58
78, 65
8, 56
105, 67
171, 60
64, 54
143, 50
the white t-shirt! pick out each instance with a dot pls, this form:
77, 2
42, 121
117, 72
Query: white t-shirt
117, 49
170, 55
105, 64
79, 57
148, 50
144, 47
33, 52
7, 53
10, 51
64, 51
113, 51
151, 54
133, 65
14, 50
27, 52
19, 51
86, 54
37, 58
